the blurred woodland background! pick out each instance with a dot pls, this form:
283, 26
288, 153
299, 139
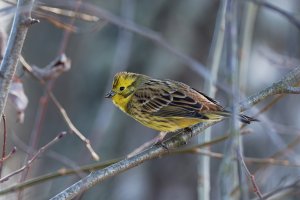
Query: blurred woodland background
268, 48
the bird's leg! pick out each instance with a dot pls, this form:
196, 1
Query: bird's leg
188, 130
158, 140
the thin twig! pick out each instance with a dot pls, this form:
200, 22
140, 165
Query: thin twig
12, 152
62, 111
278, 10
281, 152
62, 172
291, 79
4, 144
64, 160
96, 166
229, 172
270, 105
278, 191
143, 31
89, 168
42, 109
72, 127
34, 157
250, 160
251, 177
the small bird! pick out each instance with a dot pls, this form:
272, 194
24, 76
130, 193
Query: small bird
164, 105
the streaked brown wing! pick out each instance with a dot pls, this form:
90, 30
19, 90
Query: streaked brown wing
209, 104
164, 98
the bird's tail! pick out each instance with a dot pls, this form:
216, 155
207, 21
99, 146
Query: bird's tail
243, 118
246, 119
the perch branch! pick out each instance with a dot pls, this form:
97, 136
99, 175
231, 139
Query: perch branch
96, 166
197, 149
98, 176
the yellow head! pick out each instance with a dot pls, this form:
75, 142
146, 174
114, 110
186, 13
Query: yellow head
123, 87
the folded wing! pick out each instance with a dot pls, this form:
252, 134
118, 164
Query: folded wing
173, 99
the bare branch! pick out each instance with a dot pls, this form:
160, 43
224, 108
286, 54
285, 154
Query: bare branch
59, 173
34, 157
62, 111
143, 31
12, 152
250, 160
96, 166
4, 144
291, 79
228, 174
251, 177
64, 160
292, 90
197, 149
73, 128
13, 49
287, 15
214, 61
279, 193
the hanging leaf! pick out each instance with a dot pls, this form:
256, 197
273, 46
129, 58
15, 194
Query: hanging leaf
57, 67
18, 98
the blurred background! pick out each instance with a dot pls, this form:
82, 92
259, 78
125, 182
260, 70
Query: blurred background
269, 48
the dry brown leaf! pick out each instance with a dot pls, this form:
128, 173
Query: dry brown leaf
18, 98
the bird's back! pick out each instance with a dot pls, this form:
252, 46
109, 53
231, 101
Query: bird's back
167, 105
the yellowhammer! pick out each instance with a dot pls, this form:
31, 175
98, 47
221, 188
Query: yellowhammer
164, 105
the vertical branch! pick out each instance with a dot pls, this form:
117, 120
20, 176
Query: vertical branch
22, 21
16, 39
251, 177
4, 143
43, 105
247, 28
228, 169
120, 62
247, 25
209, 88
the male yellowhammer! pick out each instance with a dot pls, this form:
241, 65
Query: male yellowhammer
164, 105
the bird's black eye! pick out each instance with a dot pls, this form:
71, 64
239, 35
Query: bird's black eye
122, 88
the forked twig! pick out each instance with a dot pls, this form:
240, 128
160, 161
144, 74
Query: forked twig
72, 127
34, 157
4, 157
12, 152
62, 111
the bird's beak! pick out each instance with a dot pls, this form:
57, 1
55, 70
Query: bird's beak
110, 94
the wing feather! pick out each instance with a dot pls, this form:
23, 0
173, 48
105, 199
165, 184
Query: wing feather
169, 99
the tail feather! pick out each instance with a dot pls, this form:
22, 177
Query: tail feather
243, 118
246, 119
